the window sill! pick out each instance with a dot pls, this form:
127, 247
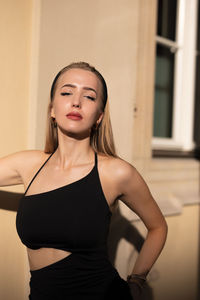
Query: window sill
176, 154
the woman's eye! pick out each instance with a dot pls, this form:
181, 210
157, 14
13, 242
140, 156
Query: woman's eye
90, 97
65, 94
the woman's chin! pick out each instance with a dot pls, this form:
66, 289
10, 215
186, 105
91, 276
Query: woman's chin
74, 133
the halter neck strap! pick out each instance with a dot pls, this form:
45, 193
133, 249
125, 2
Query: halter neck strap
38, 172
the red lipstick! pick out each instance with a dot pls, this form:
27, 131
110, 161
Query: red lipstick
74, 115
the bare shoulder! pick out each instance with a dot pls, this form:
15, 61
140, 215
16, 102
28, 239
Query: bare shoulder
29, 159
29, 162
120, 174
15, 167
24, 161
118, 168
33, 155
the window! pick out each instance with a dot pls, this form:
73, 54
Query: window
175, 75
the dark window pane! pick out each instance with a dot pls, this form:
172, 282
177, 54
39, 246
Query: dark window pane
198, 29
163, 105
197, 90
167, 19
197, 105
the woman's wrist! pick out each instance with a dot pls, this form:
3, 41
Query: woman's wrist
138, 279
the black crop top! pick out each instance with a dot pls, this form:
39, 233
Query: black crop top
74, 217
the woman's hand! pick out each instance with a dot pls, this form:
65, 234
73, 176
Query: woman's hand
135, 290
136, 284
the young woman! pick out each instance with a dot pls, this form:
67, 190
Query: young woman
71, 189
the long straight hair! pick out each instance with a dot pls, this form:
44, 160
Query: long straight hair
101, 138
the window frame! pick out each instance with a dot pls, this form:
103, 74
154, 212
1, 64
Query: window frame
184, 47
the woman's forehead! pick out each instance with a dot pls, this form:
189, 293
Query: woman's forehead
79, 77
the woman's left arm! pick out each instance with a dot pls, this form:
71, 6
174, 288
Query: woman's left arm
136, 195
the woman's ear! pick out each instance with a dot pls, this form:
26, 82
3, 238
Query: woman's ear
100, 118
52, 112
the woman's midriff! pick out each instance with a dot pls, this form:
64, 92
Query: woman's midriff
43, 257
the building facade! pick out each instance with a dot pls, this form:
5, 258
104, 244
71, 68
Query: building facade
144, 60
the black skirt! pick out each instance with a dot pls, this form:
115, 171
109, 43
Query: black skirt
78, 277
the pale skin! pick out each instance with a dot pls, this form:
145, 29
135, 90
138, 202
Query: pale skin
79, 90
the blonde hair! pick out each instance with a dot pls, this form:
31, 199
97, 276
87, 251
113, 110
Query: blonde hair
101, 138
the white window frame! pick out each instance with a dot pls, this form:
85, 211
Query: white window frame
184, 78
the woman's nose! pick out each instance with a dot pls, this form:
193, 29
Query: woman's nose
76, 101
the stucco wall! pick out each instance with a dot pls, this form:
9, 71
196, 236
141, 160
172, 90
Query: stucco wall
15, 32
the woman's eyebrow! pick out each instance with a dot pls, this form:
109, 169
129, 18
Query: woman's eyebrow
69, 85
89, 89
74, 86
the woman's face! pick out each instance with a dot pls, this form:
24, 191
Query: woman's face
77, 101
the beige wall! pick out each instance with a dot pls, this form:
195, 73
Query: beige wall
14, 73
118, 38
106, 38
176, 271
15, 32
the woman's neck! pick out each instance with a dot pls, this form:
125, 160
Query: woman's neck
72, 151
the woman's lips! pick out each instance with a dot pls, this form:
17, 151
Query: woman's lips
74, 116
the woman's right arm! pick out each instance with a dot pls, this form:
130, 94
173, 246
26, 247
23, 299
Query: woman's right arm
16, 168
10, 167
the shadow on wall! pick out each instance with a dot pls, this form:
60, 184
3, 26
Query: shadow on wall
9, 200
120, 228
